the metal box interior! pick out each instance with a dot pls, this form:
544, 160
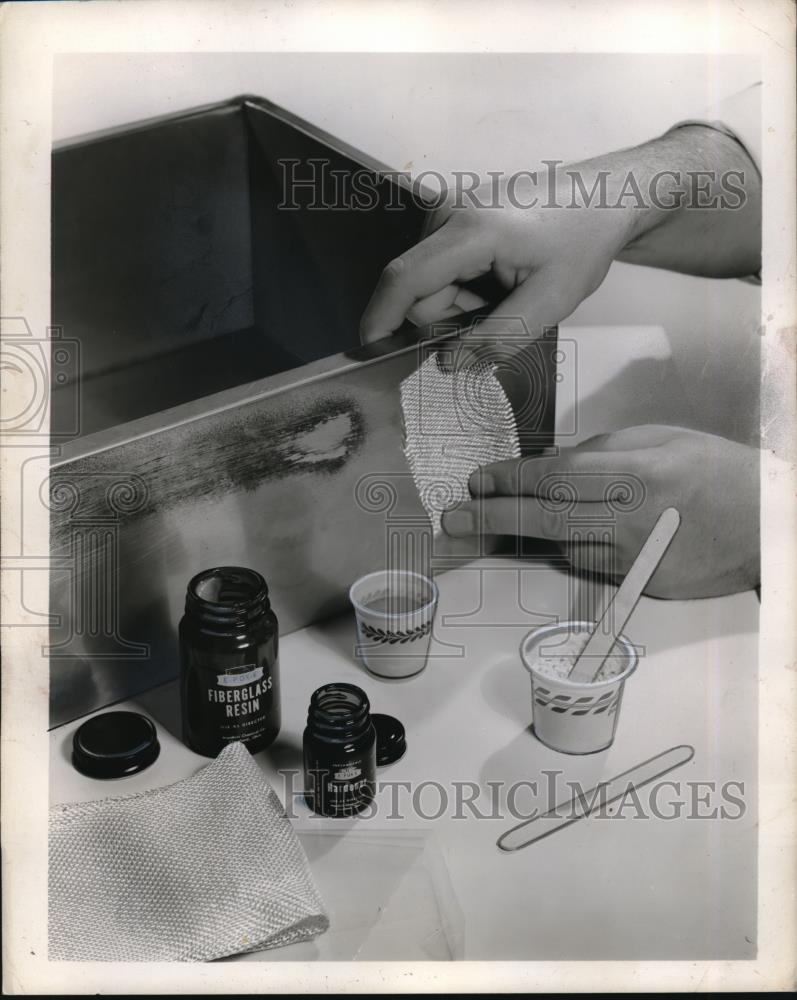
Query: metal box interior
185, 263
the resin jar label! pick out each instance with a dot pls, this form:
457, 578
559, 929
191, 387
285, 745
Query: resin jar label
229, 662
237, 704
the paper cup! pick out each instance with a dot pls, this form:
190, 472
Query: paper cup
571, 716
394, 611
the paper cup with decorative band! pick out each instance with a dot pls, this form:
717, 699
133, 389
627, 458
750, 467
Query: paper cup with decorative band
394, 611
571, 716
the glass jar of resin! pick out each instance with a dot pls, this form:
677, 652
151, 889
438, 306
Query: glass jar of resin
229, 666
339, 751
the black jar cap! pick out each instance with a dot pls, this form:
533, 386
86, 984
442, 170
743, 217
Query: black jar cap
391, 740
115, 744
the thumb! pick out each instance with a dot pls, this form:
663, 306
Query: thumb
547, 296
516, 323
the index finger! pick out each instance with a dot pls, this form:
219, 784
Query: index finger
448, 255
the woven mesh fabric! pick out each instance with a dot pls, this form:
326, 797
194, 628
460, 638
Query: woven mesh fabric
204, 868
454, 421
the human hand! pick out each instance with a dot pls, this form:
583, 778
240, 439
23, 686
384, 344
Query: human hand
549, 237
547, 258
713, 482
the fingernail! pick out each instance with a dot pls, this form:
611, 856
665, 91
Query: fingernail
458, 522
481, 482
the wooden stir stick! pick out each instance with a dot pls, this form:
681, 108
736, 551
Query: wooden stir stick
600, 643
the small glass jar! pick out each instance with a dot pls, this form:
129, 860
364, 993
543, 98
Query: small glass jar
339, 751
229, 665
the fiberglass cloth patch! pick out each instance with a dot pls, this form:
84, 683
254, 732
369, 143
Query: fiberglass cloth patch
204, 868
454, 421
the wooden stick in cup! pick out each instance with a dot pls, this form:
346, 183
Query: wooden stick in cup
600, 643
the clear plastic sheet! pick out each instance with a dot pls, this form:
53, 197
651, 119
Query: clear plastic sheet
388, 895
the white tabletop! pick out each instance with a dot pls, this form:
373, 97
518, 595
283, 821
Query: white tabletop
622, 888
610, 888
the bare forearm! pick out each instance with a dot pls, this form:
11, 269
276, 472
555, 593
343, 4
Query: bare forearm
716, 229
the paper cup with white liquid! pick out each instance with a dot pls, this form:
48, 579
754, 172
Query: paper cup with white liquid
572, 716
395, 611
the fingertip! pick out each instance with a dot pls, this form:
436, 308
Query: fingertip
370, 333
458, 522
481, 482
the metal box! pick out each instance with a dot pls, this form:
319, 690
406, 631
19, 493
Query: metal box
212, 403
